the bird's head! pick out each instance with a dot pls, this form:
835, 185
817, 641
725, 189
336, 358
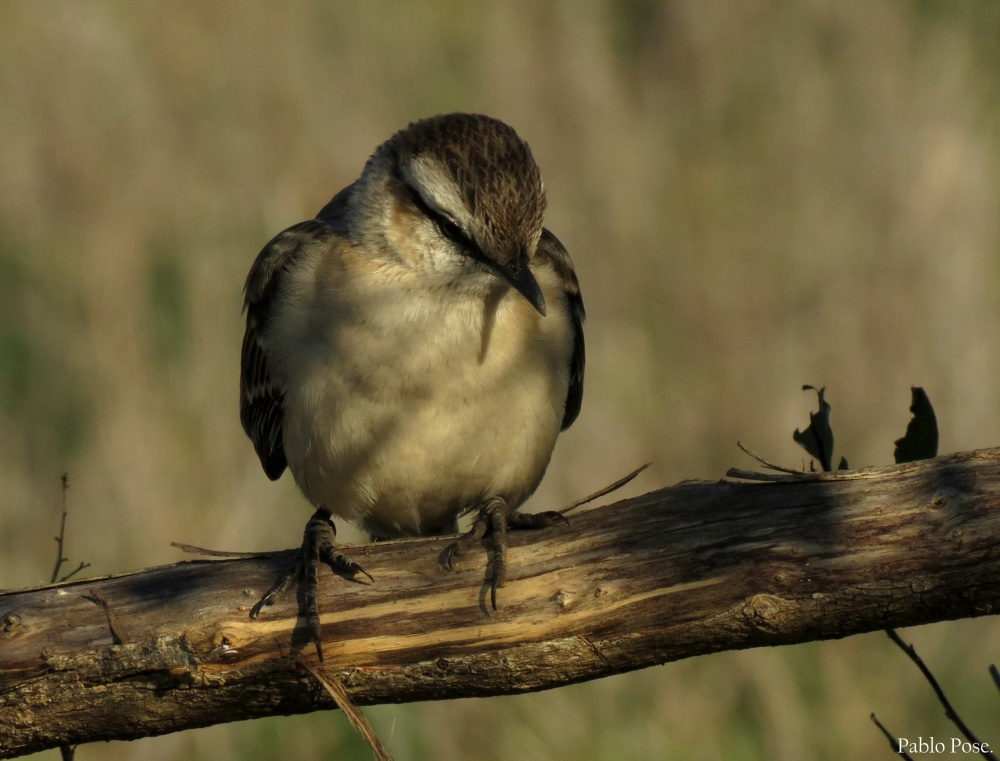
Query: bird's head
460, 197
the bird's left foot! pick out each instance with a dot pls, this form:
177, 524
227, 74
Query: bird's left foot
495, 518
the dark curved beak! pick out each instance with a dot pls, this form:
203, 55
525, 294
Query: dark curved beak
518, 274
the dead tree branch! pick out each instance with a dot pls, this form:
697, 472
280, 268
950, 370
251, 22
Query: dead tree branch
696, 568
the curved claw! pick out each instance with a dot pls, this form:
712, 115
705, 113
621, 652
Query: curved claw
495, 518
467, 540
339, 562
448, 556
317, 545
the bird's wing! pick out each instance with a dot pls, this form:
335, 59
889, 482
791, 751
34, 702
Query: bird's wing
261, 394
551, 250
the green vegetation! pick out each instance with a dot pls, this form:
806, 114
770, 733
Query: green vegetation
756, 195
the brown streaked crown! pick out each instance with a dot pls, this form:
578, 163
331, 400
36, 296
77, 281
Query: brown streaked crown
494, 172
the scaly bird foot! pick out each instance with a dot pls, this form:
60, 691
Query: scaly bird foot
495, 518
318, 544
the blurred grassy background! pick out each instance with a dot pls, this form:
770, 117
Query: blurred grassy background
757, 194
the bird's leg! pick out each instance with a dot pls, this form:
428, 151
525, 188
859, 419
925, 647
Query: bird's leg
318, 544
495, 518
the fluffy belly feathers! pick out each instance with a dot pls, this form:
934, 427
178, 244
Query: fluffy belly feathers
407, 430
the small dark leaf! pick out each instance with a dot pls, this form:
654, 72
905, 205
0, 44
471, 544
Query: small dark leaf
817, 439
843, 464
921, 439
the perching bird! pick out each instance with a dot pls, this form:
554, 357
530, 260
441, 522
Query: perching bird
412, 353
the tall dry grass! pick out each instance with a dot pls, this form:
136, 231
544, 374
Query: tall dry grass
756, 195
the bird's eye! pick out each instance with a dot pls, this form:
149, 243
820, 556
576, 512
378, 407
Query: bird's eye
450, 230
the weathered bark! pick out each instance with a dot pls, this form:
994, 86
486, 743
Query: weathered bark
696, 568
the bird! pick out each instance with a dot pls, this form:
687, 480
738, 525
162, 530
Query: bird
412, 353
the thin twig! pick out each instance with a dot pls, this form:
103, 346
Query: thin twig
61, 540
995, 675
194, 550
753, 475
351, 711
765, 463
892, 739
607, 489
74, 572
948, 710
67, 752
60, 557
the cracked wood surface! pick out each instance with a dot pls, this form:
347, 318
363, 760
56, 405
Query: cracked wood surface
695, 568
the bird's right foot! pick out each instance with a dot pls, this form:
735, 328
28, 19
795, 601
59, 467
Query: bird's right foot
318, 544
